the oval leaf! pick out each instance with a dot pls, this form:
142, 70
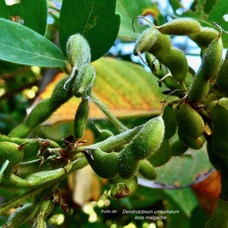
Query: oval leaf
19, 44
95, 20
32, 14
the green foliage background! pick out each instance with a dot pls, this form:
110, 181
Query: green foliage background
31, 48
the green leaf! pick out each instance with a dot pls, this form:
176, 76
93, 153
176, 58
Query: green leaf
184, 170
184, 198
129, 11
95, 20
32, 14
19, 44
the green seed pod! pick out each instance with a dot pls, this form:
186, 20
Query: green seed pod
211, 60
173, 58
204, 37
146, 169
198, 90
39, 113
103, 134
124, 187
9, 151
42, 110
21, 130
149, 139
30, 149
169, 118
177, 147
219, 125
59, 94
84, 80
189, 121
145, 41
219, 218
127, 163
222, 79
104, 164
162, 155
161, 46
81, 118
180, 27
161, 72
78, 51
194, 143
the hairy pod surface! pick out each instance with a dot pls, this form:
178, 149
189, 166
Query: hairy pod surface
9, 151
161, 46
177, 147
124, 187
219, 124
189, 121
59, 94
78, 51
160, 71
147, 170
21, 130
104, 164
145, 41
170, 121
222, 79
180, 27
211, 60
128, 165
204, 37
81, 118
149, 138
162, 155
104, 134
194, 143
173, 58
198, 90
84, 80
39, 113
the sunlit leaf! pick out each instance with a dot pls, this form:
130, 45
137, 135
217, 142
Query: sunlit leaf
19, 44
126, 88
32, 14
95, 20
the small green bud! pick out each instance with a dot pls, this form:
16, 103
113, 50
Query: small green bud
78, 51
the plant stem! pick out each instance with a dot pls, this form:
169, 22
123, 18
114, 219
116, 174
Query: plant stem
114, 141
107, 112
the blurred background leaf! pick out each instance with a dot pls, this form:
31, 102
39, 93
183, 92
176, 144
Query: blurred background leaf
130, 11
32, 14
